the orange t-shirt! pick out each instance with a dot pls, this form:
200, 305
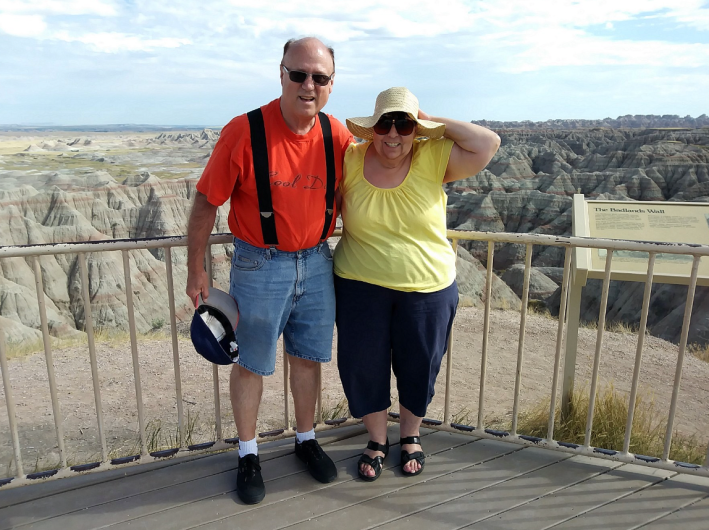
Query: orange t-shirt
298, 179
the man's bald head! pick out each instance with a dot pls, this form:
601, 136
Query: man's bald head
310, 42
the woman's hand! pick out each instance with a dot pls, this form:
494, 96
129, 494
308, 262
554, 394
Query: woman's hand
474, 146
423, 116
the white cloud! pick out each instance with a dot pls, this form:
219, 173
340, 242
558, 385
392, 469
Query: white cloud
120, 42
235, 45
58, 7
559, 47
22, 25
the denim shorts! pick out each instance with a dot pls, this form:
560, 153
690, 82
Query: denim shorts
289, 293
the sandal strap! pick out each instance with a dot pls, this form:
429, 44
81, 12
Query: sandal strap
374, 446
410, 440
419, 456
375, 463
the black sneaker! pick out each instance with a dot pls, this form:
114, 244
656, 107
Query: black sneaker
249, 484
320, 465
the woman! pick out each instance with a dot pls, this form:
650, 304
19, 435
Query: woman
395, 269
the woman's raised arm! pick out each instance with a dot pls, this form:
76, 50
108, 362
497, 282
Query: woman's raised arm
474, 147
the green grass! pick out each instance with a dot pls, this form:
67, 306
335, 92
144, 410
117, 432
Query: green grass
610, 415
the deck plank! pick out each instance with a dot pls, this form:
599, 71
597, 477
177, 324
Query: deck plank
498, 497
181, 478
467, 482
642, 507
692, 517
569, 502
278, 491
341, 505
438, 488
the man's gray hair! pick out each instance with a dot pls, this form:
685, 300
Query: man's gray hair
291, 41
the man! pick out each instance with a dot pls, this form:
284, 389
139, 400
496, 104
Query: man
281, 274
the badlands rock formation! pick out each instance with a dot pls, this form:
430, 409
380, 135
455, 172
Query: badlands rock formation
92, 205
100, 190
621, 122
51, 208
528, 187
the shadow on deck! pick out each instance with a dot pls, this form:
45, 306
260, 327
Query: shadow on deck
466, 482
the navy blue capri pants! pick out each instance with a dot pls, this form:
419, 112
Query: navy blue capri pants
380, 329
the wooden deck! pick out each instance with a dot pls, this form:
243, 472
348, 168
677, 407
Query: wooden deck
466, 482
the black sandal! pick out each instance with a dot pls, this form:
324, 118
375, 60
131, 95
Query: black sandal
375, 463
419, 456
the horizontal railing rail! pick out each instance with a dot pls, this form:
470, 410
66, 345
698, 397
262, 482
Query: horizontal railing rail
569, 243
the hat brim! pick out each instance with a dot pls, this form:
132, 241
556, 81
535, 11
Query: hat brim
363, 127
206, 344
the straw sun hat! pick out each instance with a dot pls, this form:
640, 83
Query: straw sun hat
397, 99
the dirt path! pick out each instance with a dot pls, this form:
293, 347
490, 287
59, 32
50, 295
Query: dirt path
36, 425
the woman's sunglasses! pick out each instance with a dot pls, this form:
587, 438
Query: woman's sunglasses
299, 77
404, 126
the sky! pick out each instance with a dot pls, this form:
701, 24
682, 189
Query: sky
201, 63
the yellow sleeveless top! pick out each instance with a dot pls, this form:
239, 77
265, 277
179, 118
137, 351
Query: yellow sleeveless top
396, 238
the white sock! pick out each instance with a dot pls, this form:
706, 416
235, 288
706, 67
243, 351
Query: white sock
249, 447
305, 436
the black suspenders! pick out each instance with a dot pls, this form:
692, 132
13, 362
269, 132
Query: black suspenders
330, 163
263, 183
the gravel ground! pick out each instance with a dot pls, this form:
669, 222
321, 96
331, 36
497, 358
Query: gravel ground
29, 381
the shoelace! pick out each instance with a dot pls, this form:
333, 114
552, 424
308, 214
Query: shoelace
313, 448
249, 466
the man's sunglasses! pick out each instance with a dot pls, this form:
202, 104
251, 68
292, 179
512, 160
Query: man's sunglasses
404, 126
299, 77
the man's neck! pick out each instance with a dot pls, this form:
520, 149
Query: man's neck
297, 124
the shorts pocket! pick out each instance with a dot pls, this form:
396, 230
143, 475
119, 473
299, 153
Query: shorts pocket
325, 252
247, 260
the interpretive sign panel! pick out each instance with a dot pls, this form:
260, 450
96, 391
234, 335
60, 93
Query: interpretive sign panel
671, 222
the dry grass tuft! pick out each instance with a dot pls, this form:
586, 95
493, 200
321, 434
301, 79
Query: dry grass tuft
108, 336
700, 351
610, 415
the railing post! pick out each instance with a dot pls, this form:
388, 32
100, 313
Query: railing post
215, 368
134, 351
599, 347
520, 340
10, 405
563, 302
572, 337
680, 356
56, 409
89, 327
449, 356
175, 347
486, 335
639, 353
286, 389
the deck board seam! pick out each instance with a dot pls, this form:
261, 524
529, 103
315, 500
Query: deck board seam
456, 497
270, 457
611, 501
679, 509
303, 471
275, 503
529, 501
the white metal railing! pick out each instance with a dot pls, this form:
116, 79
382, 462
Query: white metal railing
478, 430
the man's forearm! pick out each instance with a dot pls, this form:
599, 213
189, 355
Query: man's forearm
199, 228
